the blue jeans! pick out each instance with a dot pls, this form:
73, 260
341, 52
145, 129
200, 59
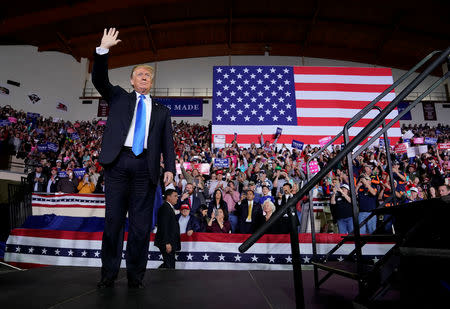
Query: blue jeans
345, 225
234, 222
370, 225
299, 215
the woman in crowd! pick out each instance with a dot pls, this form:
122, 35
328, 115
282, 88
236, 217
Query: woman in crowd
219, 222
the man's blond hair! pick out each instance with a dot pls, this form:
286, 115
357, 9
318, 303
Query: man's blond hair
144, 66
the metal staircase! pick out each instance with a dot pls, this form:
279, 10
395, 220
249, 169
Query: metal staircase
373, 280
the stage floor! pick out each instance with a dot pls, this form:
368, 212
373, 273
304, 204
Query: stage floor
75, 287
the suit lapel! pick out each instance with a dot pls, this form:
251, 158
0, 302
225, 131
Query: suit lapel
153, 115
131, 106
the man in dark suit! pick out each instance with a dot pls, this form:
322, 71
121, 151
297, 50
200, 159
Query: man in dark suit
167, 237
37, 179
247, 212
52, 183
282, 200
189, 197
137, 132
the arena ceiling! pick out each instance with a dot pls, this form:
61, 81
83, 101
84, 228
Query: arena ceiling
387, 33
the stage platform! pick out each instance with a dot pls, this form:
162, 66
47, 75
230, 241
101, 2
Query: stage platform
75, 287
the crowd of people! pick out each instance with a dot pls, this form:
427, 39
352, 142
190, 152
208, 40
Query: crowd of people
242, 195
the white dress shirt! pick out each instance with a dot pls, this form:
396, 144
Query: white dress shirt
148, 111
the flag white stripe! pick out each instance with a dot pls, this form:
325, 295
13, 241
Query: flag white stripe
339, 113
343, 79
293, 130
341, 95
69, 211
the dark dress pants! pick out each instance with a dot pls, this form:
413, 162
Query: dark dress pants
127, 188
168, 258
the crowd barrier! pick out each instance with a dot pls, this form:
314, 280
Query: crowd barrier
66, 230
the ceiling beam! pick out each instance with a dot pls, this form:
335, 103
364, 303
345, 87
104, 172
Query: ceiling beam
66, 45
149, 35
230, 24
65, 12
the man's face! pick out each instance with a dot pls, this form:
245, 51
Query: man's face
250, 195
286, 190
142, 80
38, 169
173, 198
265, 190
443, 191
190, 188
185, 212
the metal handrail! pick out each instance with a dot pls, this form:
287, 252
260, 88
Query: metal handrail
364, 133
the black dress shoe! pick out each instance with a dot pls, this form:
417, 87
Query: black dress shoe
105, 283
136, 284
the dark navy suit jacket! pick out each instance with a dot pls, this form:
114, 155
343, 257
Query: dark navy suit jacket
121, 111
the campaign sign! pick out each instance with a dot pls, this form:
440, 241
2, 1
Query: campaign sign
313, 167
79, 172
62, 174
101, 122
324, 141
430, 140
4, 123
12, 119
297, 144
33, 115
444, 146
401, 148
75, 136
185, 107
52, 147
279, 130
42, 147
203, 168
418, 140
222, 163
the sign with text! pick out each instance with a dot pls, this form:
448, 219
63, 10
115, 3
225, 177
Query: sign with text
402, 106
418, 140
219, 140
79, 172
297, 144
324, 141
313, 167
222, 163
203, 168
185, 107
103, 108
401, 148
429, 111
444, 146
430, 140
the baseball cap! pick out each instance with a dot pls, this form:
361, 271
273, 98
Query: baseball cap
414, 189
184, 206
219, 172
251, 183
345, 186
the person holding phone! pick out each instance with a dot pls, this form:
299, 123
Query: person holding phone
86, 186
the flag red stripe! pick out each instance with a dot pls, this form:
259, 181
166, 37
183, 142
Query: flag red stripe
286, 139
336, 104
343, 71
205, 237
314, 121
80, 205
341, 87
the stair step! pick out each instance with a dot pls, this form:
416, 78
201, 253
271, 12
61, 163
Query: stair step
345, 268
373, 238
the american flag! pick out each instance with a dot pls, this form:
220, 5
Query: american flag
66, 230
308, 103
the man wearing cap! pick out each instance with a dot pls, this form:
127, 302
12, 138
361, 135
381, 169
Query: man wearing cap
188, 224
167, 237
414, 195
51, 186
342, 208
190, 198
367, 200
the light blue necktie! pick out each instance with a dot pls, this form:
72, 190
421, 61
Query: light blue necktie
139, 127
